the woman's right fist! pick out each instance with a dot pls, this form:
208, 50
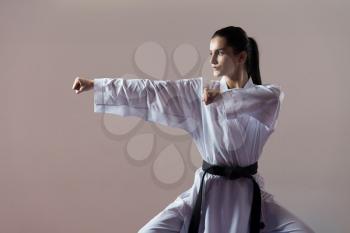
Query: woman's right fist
81, 84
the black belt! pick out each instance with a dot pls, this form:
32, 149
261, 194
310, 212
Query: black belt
231, 173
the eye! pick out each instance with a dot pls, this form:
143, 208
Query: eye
221, 52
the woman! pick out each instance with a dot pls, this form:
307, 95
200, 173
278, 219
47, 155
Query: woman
230, 121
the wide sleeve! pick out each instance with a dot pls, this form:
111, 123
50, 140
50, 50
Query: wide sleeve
174, 103
260, 101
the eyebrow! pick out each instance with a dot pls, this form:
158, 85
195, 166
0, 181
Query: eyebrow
222, 48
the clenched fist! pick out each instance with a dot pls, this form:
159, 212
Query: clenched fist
209, 95
81, 84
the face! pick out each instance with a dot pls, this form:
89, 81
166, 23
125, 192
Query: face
223, 61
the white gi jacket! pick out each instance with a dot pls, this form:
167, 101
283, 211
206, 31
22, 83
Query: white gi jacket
230, 131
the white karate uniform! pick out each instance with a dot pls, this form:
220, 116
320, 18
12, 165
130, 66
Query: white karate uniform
230, 131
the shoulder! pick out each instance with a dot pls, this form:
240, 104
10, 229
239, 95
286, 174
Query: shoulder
273, 88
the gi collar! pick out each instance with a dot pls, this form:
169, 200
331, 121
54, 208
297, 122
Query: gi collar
223, 85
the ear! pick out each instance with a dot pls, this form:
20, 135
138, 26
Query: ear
242, 56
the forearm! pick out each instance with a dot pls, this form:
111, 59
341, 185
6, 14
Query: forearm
260, 102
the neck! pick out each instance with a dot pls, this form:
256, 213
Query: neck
237, 81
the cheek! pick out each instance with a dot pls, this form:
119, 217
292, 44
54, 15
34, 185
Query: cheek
227, 63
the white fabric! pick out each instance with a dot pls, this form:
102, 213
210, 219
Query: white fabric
230, 131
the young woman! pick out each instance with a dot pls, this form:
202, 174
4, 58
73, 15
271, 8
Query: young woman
230, 121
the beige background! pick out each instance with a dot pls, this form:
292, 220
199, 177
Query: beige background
61, 173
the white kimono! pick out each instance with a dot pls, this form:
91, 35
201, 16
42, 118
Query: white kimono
230, 131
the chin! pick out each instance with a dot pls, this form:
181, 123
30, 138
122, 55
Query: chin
217, 74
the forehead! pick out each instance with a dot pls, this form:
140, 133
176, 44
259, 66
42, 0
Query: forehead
217, 43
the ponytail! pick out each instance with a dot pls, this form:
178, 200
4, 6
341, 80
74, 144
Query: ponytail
252, 64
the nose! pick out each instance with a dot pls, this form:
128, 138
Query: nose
213, 60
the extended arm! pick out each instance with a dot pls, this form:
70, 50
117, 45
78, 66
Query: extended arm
175, 103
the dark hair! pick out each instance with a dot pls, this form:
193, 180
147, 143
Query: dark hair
237, 38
